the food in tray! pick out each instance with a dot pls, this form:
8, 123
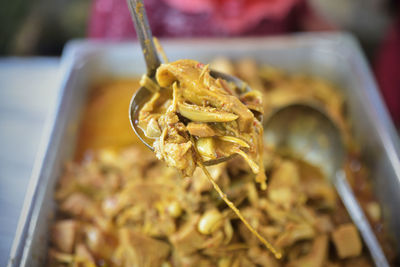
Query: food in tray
120, 206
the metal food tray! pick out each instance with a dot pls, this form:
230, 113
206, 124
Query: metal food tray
336, 57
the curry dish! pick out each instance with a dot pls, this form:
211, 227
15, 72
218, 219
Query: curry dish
118, 205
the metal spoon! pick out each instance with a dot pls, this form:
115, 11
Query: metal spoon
306, 132
142, 95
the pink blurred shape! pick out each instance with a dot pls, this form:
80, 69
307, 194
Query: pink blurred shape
179, 18
235, 16
387, 69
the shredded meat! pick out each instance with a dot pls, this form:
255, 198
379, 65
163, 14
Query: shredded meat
191, 103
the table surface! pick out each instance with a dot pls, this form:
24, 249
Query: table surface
28, 90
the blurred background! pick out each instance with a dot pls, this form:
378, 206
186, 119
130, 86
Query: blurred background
42, 27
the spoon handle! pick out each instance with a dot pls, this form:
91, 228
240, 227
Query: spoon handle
144, 35
359, 218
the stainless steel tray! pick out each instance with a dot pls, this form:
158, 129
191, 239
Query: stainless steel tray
335, 57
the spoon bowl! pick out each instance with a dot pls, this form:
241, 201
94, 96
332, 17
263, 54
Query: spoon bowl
306, 132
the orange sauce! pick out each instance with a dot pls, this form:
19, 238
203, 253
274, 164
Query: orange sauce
105, 121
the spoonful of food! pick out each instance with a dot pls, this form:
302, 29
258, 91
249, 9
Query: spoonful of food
225, 100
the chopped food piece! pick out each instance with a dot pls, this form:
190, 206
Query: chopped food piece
77, 204
206, 148
175, 209
324, 224
209, 222
294, 233
98, 241
317, 255
205, 114
153, 129
373, 210
188, 239
259, 257
136, 249
347, 241
63, 235
84, 256
57, 258
200, 129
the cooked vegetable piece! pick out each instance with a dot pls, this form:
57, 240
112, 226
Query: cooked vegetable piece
153, 129
84, 256
204, 114
206, 148
135, 248
235, 140
317, 255
187, 240
209, 222
200, 129
294, 233
347, 241
63, 235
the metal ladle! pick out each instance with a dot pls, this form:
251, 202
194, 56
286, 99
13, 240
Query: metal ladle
305, 132
142, 95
